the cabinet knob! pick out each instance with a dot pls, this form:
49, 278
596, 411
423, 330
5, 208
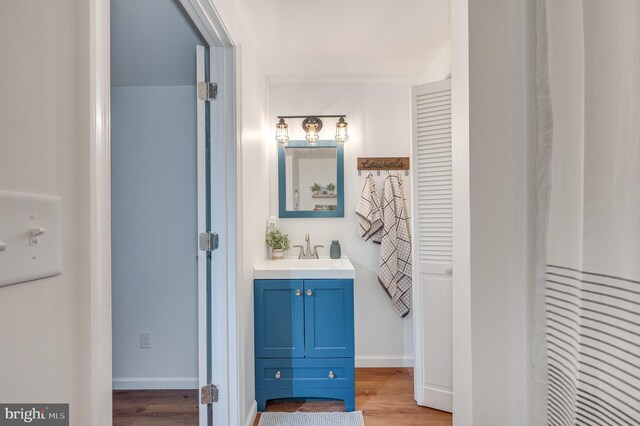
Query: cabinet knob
298, 292
331, 375
309, 292
278, 375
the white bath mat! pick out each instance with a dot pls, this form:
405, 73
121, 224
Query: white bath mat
353, 418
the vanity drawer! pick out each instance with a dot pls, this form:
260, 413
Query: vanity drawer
312, 373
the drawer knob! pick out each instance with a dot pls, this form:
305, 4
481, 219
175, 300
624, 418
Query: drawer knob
298, 292
331, 375
278, 375
309, 292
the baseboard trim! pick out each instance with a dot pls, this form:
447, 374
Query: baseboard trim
440, 399
382, 361
253, 412
141, 383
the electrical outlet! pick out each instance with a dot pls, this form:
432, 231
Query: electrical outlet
145, 339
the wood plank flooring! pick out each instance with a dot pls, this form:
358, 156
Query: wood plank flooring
155, 407
384, 395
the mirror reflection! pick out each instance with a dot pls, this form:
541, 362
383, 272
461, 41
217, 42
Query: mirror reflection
311, 178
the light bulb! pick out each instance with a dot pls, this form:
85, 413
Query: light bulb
312, 137
312, 133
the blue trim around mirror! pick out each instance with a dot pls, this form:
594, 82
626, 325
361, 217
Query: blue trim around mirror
282, 191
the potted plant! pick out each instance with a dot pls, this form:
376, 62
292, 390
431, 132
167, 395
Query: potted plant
331, 188
315, 188
278, 242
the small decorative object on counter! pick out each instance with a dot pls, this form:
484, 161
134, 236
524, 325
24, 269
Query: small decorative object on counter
315, 188
335, 251
278, 242
331, 187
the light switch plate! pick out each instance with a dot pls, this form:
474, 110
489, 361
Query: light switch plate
30, 237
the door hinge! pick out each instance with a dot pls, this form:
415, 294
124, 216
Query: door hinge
208, 241
209, 394
207, 91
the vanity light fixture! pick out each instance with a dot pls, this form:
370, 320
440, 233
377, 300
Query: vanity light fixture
311, 124
282, 132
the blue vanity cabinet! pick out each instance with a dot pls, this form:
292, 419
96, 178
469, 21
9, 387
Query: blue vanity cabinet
279, 318
328, 318
304, 338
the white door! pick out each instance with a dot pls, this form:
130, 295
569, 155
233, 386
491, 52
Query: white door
204, 334
216, 218
433, 216
212, 261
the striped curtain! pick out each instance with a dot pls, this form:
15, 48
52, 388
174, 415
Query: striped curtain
588, 310
593, 348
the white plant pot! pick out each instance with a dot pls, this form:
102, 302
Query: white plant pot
277, 253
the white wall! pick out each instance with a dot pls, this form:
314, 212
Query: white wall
440, 68
154, 236
379, 117
254, 190
494, 138
44, 134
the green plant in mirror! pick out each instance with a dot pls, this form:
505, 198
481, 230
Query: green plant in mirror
331, 187
277, 240
316, 187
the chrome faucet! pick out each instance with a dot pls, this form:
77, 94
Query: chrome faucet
308, 253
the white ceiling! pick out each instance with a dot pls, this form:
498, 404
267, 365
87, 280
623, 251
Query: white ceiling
347, 39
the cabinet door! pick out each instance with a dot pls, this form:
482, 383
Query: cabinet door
328, 318
279, 318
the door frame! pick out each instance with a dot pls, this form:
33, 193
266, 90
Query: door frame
99, 335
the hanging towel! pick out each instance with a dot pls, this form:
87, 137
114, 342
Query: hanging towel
368, 209
395, 247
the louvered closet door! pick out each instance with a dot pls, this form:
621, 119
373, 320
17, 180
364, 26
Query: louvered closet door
433, 216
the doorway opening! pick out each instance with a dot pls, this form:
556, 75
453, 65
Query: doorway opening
173, 194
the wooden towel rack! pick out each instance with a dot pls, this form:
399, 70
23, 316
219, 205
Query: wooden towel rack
383, 163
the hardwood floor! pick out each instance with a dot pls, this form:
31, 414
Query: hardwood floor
384, 395
155, 407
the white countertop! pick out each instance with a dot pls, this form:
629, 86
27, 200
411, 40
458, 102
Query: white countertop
304, 269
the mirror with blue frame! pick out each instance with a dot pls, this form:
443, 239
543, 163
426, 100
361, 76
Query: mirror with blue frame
311, 179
